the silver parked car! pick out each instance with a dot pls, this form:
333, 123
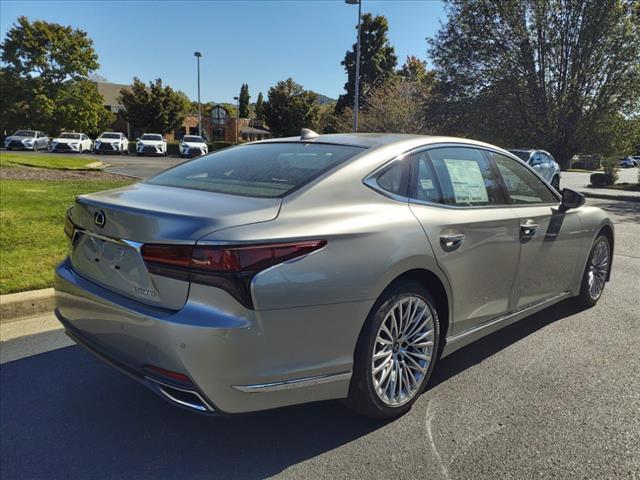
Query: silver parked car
543, 163
27, 140
320, 267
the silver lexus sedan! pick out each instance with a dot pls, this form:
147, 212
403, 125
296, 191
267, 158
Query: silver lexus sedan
320, 267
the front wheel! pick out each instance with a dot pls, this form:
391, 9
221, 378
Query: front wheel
396, 352
596, 272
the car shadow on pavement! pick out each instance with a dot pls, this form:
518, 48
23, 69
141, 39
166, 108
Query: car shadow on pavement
65, 414
482, 349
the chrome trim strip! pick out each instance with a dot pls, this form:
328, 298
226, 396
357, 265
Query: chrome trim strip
291, 384
205, 407
461, 335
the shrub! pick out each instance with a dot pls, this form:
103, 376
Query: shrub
213, 146
601, 179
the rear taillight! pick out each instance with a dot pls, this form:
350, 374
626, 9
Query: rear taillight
228, 267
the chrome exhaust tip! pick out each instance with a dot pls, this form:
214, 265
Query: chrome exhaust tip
183, 397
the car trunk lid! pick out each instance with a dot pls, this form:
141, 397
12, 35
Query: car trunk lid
111, 227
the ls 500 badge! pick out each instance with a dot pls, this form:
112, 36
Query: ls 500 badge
145, 291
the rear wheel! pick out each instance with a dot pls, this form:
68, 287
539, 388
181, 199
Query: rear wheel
595, 273
396, 352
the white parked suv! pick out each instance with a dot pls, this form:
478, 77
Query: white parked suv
192, 146
71, 142
27, 140
151, 144
112, 142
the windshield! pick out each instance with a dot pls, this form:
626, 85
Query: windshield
260, 170
25, 133
193, 138
151, 136
110, 135
522, 154
74, 136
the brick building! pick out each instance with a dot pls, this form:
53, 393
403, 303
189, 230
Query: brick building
219, 126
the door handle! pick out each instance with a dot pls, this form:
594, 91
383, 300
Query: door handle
528, 229
451, 241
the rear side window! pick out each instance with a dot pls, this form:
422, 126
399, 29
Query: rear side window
466, 177
394, 178
522, 185
259, 170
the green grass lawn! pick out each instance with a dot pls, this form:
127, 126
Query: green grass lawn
32, 240
60, 162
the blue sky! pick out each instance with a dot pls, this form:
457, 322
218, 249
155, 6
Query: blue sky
257, 42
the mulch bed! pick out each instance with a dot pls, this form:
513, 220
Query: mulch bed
32, 173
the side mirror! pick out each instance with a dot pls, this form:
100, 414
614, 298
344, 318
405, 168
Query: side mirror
571, 199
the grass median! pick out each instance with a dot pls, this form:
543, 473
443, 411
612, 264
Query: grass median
32, 240
58, 162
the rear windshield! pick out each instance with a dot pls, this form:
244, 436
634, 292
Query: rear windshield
522, 154
258, 170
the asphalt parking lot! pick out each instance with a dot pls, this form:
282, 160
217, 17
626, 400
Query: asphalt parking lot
556, 395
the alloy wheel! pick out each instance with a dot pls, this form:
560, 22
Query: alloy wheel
403, 351
598, 268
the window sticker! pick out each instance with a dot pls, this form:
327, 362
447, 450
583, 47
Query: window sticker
466, 179
426, 183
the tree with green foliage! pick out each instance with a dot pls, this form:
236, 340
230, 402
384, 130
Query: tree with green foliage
80, 108
243, 101
415, 70
44, 65
259, 109
290, 108
547, 74
377, 59
154, 108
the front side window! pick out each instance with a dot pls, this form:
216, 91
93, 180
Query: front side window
260, 170
523, 186
466, 177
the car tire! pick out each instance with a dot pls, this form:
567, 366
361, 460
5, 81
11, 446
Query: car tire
379, 394
596, 272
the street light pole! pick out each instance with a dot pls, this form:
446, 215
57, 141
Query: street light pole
356, 98
237, 99
198, 55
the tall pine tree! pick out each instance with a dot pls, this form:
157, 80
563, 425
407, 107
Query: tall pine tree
243, 102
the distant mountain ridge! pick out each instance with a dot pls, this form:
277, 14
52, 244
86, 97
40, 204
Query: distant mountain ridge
323, 99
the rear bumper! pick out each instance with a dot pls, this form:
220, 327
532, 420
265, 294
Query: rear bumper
238, 360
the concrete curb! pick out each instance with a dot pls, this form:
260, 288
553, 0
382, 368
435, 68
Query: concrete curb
610, 196
26, 304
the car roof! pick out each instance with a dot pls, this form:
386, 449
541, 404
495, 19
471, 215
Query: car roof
378, 140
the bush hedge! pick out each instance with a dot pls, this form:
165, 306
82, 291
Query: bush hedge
601, 179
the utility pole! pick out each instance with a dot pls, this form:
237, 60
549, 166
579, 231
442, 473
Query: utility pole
356, 98
237, 99
198, 55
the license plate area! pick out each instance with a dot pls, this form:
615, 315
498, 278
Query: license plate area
114, 265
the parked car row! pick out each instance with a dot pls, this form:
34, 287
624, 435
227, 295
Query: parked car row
107, 142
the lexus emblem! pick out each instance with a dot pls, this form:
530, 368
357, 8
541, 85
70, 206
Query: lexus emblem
99, 218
